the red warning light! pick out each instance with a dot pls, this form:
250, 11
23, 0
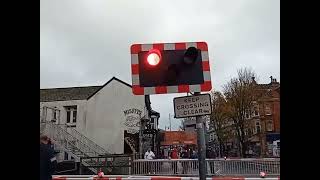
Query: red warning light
153, 57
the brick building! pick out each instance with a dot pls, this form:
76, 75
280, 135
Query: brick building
265, 118
263, 128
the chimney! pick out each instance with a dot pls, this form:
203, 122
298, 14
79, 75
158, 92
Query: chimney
274, 81
253, 80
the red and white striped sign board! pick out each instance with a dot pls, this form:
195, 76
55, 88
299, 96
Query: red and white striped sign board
139, 90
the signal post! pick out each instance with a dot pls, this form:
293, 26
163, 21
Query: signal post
163, 68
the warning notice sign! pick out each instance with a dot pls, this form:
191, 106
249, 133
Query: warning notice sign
190, 106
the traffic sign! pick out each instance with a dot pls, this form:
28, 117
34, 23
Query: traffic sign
191, 106
164, 68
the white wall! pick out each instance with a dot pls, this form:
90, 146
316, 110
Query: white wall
81, 116
102, 118
106, 120
81, 111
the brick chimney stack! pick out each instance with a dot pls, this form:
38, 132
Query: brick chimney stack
273, 80
253, 80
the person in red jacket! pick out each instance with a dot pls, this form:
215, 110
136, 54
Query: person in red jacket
174, 155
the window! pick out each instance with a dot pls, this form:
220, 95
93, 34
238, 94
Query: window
68, 116
234, 133
258, 127
211, 138
267, 109
256, 111
249, 132
74, 117
270, 125
247, 114
66, 156
71, 114
54, 114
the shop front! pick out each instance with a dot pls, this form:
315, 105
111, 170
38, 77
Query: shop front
184, 142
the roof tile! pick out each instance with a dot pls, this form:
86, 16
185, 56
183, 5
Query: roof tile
67, 94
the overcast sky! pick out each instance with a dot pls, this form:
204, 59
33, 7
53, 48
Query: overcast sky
87, 42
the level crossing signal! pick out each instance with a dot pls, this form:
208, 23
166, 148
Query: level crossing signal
163, 68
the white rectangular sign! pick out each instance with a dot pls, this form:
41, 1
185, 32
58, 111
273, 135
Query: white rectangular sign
190, 106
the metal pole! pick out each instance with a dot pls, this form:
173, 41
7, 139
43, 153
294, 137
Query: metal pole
201, 146
140, 142
170, 121
140, 138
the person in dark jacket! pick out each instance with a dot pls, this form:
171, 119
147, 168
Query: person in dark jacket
48, 161
50, 143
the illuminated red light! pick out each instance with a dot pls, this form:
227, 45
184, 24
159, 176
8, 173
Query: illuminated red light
154, 57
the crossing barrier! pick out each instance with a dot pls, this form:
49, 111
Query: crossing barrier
121, 177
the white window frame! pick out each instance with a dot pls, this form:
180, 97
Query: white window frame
247, 113
270, 122
255, 109
257, 124
246, 132
54, 116
71, 109
267, 112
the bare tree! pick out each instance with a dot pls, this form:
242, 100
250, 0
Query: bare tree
219, 119
240, 95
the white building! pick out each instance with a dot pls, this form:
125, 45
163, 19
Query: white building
101, 113
189, 124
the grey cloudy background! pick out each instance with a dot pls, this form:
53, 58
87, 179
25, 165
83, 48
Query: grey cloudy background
87, 42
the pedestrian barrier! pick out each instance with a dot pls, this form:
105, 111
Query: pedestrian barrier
120, 177
188, 169
222, 167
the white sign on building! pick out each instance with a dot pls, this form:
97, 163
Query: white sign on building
191, 106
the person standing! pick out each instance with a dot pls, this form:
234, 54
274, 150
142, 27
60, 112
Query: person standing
174, 155
149, 155
166, 153
48, 161
184, 164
